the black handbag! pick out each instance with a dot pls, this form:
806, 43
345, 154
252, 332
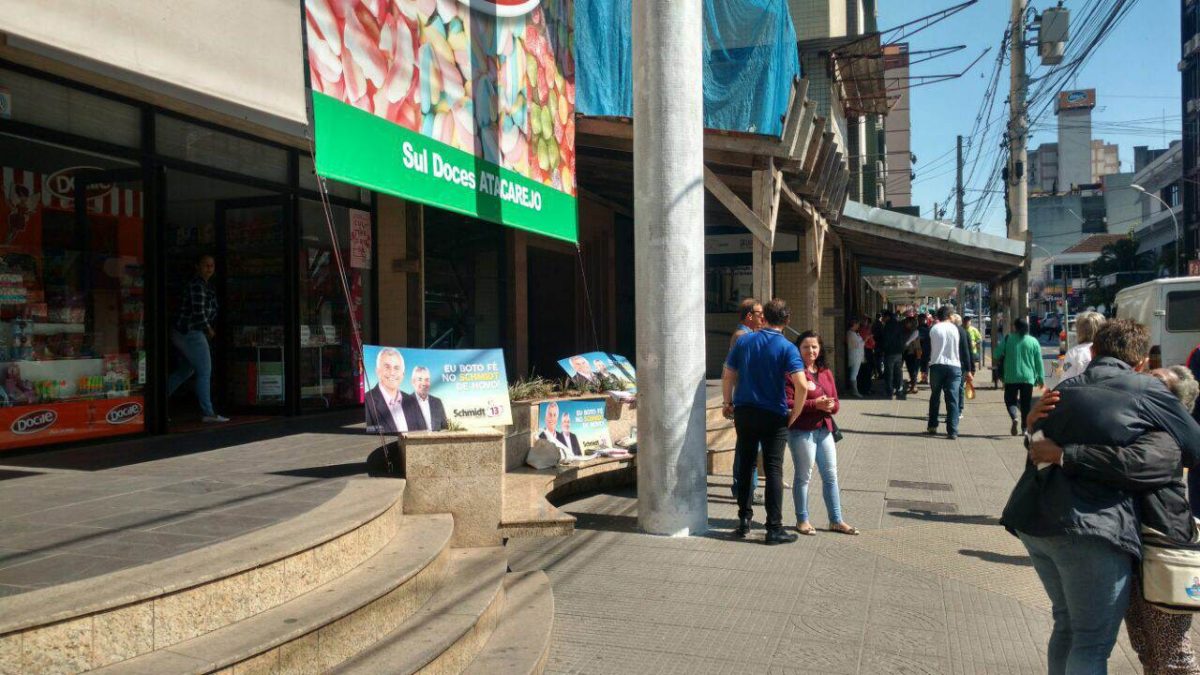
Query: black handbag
837, 431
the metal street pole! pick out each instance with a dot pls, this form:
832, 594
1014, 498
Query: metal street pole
1018, 129
1174, 220
668, 205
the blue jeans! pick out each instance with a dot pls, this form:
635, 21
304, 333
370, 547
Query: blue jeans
753, 479
944, 381
193, 347
1088, 581
807, 447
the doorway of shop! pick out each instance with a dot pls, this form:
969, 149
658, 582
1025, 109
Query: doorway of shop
243, 229
552, 310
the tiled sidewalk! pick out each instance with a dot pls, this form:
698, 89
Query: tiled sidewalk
79, 513
933, 585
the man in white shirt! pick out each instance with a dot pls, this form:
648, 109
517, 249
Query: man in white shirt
422, 411
947, 354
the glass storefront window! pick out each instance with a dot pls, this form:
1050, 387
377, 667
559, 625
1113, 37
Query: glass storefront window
54, 106
200, 144
329, 372
72, 310
308, 181
243, 229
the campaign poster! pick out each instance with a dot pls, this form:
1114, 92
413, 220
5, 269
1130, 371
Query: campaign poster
595, 367
427, 389
467, 105
579, 428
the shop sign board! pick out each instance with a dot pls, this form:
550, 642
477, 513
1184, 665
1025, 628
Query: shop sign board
425, 389
579, 428
41, 424
468, 106
1077, 99
593, 367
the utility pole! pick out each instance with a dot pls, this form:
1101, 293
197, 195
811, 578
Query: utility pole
958, 188
1018, 188
668, 201
959, 299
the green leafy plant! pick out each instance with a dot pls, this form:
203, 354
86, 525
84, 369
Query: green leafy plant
452, 425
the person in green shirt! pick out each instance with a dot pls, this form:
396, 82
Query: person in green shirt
1023, 370
976, 341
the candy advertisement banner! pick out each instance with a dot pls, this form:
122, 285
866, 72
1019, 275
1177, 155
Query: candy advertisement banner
43, 423
592, 367
579, 427
468, 105
426, 389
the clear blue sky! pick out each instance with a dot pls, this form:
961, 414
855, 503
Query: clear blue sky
1133, 72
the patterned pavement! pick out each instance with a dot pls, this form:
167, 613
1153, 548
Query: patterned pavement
933, 585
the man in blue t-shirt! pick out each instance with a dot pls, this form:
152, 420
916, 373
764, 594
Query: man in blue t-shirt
754, 389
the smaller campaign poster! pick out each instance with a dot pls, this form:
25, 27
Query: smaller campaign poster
596, 367
360, 239
580, 428
427, 389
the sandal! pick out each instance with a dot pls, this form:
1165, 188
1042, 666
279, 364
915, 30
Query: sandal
807, 530
843, 528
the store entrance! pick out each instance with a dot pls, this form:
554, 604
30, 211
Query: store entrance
243, 228
552, 303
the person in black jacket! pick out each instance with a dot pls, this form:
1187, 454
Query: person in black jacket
1152, 467
893, 356
1081, 533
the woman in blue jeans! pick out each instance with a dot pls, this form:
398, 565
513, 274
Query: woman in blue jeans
811, 437
192, 330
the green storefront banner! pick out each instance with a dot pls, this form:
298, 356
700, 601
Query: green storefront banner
466, 105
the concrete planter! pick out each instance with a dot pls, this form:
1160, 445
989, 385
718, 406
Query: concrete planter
460, 473
518, 438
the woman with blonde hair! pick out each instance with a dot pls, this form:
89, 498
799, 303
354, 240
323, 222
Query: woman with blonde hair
1079, 356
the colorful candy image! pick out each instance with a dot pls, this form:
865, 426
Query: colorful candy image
494, 78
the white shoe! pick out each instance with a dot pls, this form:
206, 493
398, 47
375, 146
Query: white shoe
211, 419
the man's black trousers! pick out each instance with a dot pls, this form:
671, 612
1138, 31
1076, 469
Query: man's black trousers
755, 426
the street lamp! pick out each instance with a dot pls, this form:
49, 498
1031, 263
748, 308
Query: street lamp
1174, 220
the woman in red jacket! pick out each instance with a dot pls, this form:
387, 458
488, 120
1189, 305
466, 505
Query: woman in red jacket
811, 437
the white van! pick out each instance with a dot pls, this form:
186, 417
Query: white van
1170, 308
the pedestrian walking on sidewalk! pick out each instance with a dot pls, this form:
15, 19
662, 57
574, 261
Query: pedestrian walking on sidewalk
811, 439
968, 366
194, 328
750, 319
976, 343
866, 375
1078, 357
1082, 533
893, 355
949, 354
1021, 356
754, 389
912, 352
855, 353
924, 325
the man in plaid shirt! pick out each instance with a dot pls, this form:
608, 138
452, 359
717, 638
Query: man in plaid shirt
191, 333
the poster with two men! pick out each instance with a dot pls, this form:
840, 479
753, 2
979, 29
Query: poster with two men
410, 390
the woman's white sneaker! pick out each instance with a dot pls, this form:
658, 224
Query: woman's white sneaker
212, 419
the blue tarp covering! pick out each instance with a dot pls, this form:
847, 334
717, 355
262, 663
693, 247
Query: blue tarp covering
750, 60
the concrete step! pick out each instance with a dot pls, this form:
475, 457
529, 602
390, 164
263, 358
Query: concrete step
112, 618
326, 626
450, 630
520, 645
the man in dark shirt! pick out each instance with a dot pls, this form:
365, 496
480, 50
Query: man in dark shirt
754, 389
893, 356
191, 333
